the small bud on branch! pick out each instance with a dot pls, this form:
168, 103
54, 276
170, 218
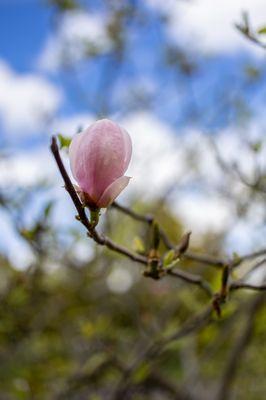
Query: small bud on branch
183, 245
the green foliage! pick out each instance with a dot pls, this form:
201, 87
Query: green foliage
138, 245
169, 258
256, 146
253, 72
64, 141
64, 334
262, 30
141, 373
64, 5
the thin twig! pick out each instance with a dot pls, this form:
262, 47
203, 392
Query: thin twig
148, 218
133, 214
248, 256
106, 241
68, 185
193, 279
189, 255
254, 268
205, 259
242, 285
246, 31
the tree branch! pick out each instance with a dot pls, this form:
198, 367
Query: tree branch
107, 242
68, 185
148, 218
193, 279
242, 285
248, 256
133, 214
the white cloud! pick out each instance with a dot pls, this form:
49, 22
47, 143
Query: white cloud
203, 197
78, 34
26, 101
202, 213
68, 126
238, 141
157, 160
26, 168
161, 160
245, 236
209, 24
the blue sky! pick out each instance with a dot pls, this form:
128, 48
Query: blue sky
24, 28
176, 98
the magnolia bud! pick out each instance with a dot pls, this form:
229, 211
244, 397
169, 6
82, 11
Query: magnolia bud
99, 157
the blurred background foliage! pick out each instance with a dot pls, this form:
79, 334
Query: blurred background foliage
74, 319
64, 334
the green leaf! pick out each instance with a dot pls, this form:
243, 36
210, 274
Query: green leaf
256, 146
236, 257
47, 209
65, 5
252, 72
262, 31
28, 234
169, 257
64, 141
138, 245
141, 373
94, 362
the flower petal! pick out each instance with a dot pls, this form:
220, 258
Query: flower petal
112, 191
74, 155
127, 148
110, 153
99, 156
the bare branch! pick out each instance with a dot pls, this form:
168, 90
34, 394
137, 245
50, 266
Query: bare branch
205, 259
193, 279
122, 250
242, 285
245, 29
253, 268
105, 241
68, 185
248, 256
147, 218
133, 214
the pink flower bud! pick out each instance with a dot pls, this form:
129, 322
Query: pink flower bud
99, 157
